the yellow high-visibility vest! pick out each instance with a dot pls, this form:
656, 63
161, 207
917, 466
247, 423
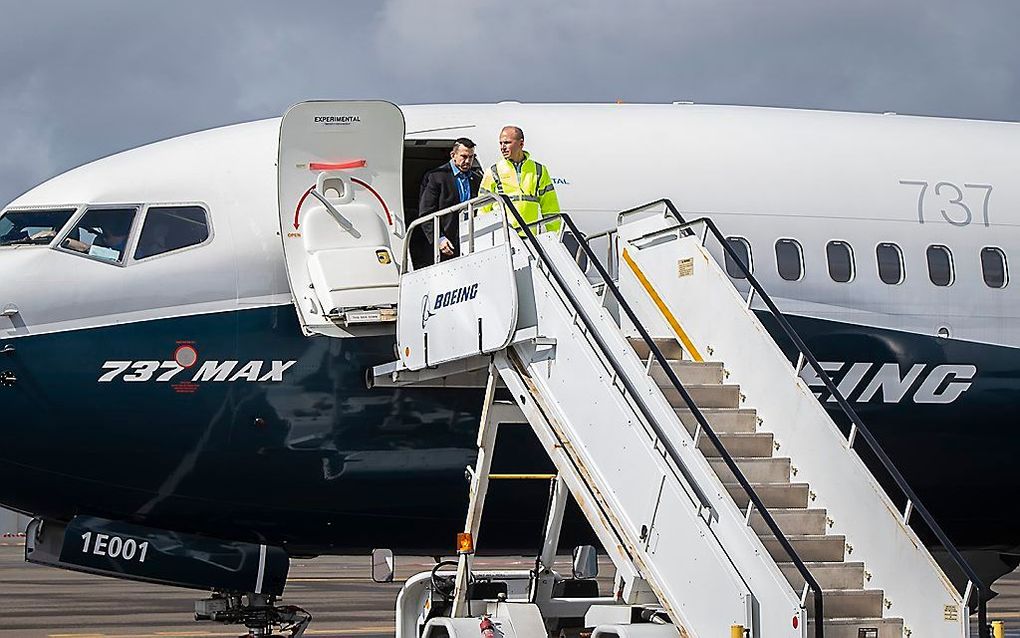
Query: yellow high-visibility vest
533, 195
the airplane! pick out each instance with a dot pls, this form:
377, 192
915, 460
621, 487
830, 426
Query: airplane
167, 360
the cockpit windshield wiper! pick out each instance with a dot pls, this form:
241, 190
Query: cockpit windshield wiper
26, 240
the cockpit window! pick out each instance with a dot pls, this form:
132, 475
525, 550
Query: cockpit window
32, 226
168, 228
102, 233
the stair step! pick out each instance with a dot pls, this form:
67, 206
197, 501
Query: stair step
811, 547
732, 420
829, 575
755, 470
669, 347
850, 627
689, 372
797, 521
710, 395
772, 494
850, 603
756, 444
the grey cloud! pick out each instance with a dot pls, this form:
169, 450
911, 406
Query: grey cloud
81, 80
28, 141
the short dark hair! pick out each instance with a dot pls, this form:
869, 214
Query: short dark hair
463, 141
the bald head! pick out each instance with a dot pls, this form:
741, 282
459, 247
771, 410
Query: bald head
511, 143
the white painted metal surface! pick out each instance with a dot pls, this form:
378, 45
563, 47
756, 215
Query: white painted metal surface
462, 307
646, 630
673, 526
839, 177
413, 603
340, 208
716, 319
510, 620
707, 567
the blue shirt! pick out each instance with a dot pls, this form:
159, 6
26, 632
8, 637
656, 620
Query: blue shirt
463, 181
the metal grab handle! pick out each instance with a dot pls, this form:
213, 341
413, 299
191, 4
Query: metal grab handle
340, 219
473, 207
9, 310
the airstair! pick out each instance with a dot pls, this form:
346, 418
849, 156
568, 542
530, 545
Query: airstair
729, 501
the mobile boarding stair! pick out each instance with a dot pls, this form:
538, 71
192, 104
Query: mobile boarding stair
728, 500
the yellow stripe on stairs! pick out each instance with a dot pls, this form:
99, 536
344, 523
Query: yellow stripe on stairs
670, 319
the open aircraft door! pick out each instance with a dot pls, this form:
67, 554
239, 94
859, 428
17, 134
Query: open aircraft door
341, 214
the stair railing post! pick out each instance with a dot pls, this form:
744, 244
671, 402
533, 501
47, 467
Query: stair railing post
554, 522
435, 240
471, 228
487, 430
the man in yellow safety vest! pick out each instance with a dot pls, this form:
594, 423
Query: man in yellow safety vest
526, 182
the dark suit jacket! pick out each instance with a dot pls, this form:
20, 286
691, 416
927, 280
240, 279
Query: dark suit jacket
439, 191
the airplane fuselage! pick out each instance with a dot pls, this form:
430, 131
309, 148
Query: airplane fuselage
273, 436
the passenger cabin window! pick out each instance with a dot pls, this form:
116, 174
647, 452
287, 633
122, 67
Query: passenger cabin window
743, 251
993, 267
890, 263
840, 257
940, 265
102, 233
168, 228
37, 227
789, 259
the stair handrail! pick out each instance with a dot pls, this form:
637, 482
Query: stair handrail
480, 204
857, 424
731, 464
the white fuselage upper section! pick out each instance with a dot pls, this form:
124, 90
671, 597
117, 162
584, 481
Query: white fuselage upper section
762, 174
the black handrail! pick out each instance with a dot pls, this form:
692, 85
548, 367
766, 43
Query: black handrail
913, 503
773, 526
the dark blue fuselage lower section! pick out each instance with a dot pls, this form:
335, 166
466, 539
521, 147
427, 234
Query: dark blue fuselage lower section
317, 462
960, 455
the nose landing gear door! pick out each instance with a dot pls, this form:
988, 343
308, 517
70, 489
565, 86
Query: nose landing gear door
341, 214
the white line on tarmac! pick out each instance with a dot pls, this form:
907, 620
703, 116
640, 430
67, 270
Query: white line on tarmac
353, 631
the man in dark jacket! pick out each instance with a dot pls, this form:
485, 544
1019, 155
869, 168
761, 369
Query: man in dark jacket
453, 182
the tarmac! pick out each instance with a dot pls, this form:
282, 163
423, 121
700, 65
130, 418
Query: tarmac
43, 602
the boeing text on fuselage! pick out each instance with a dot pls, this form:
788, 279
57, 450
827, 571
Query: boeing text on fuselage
865, 382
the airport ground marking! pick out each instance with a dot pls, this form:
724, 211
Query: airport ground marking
364, 630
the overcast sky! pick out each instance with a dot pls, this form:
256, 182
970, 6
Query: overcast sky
80, 79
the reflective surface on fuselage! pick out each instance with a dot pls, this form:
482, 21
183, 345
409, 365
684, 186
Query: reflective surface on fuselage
318, 462
955, 444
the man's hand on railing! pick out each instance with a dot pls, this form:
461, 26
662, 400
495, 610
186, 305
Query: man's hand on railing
446, 247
